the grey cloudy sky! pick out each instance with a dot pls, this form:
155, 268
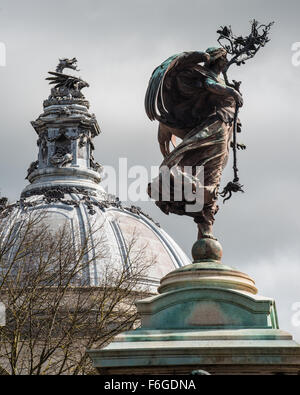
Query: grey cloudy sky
118, 44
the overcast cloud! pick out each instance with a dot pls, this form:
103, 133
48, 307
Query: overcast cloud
118, 44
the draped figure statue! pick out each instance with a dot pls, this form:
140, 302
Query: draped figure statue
191, 101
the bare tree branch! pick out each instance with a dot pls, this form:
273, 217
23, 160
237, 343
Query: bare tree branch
53, 314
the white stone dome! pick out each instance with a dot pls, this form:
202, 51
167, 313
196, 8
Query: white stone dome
112, 224
65, 183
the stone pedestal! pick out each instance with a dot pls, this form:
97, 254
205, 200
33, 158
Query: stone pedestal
207, 316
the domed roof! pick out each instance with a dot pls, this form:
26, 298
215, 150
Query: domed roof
116, 226
65, 184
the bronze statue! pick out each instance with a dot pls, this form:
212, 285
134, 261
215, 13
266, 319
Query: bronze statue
191, 101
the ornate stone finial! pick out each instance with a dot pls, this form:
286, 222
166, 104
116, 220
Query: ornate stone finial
67, 88
65, 130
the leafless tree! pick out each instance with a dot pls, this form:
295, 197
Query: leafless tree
53, 314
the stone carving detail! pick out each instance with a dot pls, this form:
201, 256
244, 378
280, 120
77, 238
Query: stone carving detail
66, 130
66, 85
89, 198
58, 192
84, 139
66, 119
67, 88
61, 157
34, 166
67, 64
95, 165
64, 111
54, 194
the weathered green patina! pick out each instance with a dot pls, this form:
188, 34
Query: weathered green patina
207, 250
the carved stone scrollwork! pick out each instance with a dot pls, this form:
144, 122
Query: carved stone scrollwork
59, 189
54, 134
88, 198
90, 205
54, 194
